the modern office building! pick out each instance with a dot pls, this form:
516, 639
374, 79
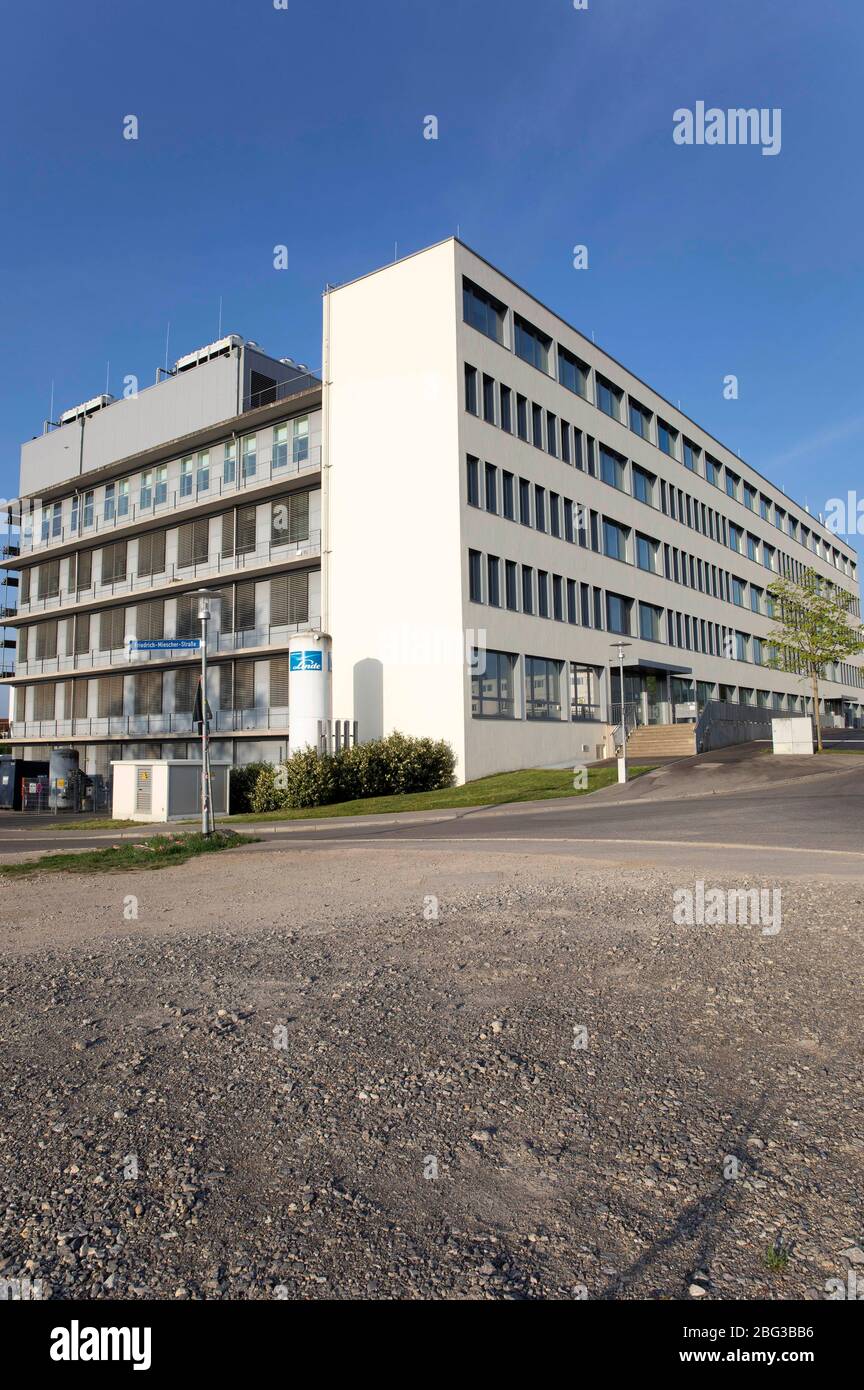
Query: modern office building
474, 501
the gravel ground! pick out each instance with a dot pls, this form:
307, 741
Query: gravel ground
290, 1078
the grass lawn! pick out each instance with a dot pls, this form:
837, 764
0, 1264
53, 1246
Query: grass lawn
532, 784
80, 824
159, 852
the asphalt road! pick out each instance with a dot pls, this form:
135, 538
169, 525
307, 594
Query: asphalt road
740, 808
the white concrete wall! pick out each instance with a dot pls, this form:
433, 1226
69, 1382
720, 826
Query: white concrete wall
392, 567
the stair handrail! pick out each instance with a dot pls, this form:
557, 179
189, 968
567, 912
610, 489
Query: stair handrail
627, 724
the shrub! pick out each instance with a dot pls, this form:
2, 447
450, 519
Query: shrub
241, 787
265, 795
308, 779
384, 767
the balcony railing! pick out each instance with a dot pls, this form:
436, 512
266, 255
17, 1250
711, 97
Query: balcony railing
143, 726
218, 643
266, 469
281, 391
172, 575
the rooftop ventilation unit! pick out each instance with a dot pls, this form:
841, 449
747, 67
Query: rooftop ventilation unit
88, 408
204, 354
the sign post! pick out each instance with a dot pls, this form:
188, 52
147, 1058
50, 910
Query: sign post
202, 711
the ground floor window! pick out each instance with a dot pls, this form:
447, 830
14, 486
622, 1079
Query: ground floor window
584, 692
542, 688
493, 685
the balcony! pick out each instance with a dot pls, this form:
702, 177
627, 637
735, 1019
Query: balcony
224, 567
257, 641
176, 501
144, 726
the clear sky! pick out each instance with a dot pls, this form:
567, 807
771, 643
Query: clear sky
303, 126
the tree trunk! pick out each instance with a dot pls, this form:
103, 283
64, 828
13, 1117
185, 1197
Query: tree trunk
815, 680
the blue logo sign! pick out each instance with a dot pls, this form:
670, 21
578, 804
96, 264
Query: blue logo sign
305, 661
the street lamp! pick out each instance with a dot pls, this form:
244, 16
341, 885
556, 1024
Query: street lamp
622, 761
205, 598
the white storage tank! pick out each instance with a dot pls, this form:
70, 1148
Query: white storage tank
309, 679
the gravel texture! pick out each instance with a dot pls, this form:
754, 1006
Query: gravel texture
247, 1092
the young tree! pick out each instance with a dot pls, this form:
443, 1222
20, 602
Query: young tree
813, 628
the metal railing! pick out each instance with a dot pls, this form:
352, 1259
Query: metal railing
145, 726
625, 719
281, 390
218, 643
724, 722
266, 469
131, 584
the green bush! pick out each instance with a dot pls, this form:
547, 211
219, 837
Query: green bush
266, 796
242, 785
385, 767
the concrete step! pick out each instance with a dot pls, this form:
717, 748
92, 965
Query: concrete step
664, 740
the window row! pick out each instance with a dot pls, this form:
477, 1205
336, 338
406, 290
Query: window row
155, 692
235, 533
192, 475
111, 628
549, 689
514, 413
490, 316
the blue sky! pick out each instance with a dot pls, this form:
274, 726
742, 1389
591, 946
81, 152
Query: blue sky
304, 126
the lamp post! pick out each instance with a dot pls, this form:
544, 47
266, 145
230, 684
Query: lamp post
205, 597
622, 761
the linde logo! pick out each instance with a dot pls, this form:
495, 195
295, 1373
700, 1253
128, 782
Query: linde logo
77, 1343
737, 126
305, 661
721, 907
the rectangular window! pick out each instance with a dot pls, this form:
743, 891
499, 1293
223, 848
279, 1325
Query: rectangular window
300, 440
151, 553
522, 418
81, 641
160, 485
46, 640
471, 389
640, 420
145, 491
493, 685
193, 542
279, 667
483, 311
88, 509
566, 451
511, 586
108, 504
244, 685
613, 469
506, 401
552, 434
557, 598
713, 470
229, 465
572, 372
244, 606
609, 398
647, 552
649, 622
112, 629
473, 481
491, 474
572, 614
618, 613
186, 477
475, 581
250, 455
584, 692
289, 599
667, 438
289, 519
123, 498
555, 514
185, 682
48, 579
542, 688
732, 484
543, 593
540, 508
644, 485
508, 496
493, 581
524, 502
203, 471
691, 456
537, 426
150, 620
527, 589
488, 399
186, 621
735, 538
614, 540
110, 697
532, 345
147, 696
